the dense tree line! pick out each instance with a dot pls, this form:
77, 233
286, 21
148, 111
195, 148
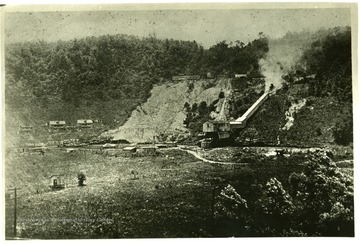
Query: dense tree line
112, 68
93, 76
237, 57
329, 58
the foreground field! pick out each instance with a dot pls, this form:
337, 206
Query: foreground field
171, 194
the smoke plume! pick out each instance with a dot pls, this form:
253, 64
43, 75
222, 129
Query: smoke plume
283, 56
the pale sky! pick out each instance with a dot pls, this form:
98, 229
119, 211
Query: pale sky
207, 27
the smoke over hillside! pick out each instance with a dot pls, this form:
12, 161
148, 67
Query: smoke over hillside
283, 56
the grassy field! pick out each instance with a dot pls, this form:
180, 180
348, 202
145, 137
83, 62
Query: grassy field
167, 195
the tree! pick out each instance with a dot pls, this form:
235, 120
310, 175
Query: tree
343, 131
230, 204
96, 71
275, 207
187, 106
202, 108
329, 57
194, 107
251, 133
319, 203
323, 197
221, 95
231, 212
81, 178
191, 87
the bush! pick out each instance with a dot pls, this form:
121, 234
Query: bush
221, 95
81, 178
320, 203
230, 204
343, 132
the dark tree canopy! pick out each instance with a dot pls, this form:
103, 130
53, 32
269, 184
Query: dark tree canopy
329, 57
57, 79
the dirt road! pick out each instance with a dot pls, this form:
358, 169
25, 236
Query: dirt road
196, 155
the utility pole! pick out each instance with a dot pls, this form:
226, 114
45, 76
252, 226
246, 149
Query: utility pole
15, 207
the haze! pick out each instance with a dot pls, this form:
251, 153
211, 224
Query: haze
207, 27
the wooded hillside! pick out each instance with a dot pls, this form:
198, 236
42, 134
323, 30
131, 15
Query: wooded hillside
108, 76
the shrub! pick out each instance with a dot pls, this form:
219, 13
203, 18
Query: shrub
343, 132
81, 178
320, 203
230, 204
221, 95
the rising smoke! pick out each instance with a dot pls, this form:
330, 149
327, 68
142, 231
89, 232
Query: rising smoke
273, 71
283, 57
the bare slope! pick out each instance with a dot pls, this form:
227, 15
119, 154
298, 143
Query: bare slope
163, 112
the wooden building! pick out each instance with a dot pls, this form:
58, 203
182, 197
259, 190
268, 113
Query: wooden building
57, 182
217, 129
240, 75
84, 123
57, 124
216, 126
26, 128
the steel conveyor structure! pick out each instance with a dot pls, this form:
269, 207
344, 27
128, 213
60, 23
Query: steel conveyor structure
241, 121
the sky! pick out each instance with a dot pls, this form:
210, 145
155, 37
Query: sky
205, 26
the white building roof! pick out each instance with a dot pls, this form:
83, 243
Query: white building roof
57, 122
85, 121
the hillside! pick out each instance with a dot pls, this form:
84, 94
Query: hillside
152, 90
107, 77
313, 101
313, 124
127, 83
163, 113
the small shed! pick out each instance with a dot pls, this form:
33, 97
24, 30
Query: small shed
57, 124
26, 128
39, 150
84, 123
240, 75
57, 182
129, 149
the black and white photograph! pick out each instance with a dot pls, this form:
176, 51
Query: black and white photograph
178, 120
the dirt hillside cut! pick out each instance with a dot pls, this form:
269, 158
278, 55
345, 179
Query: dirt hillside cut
163, 112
